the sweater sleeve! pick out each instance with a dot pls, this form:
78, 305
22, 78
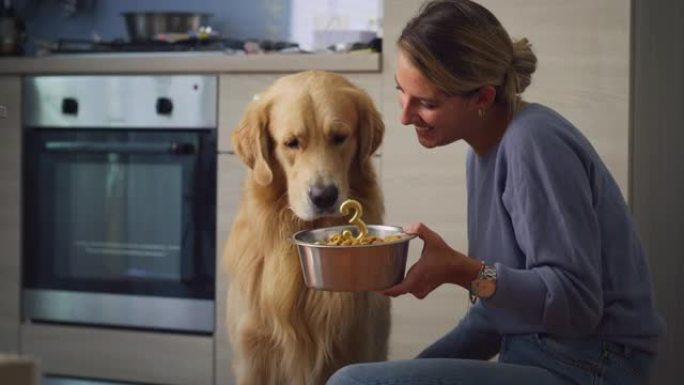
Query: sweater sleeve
549, 196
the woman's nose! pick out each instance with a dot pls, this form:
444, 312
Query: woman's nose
406, 116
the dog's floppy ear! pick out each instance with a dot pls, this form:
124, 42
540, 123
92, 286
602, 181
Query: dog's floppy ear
371, 126
251, 141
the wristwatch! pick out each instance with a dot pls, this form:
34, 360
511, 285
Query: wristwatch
484, 285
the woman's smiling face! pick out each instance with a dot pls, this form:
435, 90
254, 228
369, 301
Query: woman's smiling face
439, 119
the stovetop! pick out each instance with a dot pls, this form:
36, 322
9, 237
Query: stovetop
226, 45
64, 46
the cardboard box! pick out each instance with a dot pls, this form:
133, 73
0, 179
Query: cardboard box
18, 370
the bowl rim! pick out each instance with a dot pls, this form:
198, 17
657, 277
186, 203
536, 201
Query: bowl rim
406, 236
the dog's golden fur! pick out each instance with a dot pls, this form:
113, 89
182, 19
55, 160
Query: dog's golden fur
311, 128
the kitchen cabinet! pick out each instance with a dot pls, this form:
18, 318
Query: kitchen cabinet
10, 167
231, 173
235, 92
121, 355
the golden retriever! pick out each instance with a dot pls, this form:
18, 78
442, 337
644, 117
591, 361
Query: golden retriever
308, 141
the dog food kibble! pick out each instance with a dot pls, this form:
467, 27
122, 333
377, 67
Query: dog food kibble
346, 238
342, 240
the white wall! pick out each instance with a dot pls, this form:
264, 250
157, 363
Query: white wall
310, 15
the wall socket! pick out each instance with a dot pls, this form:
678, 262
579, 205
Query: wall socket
3, 112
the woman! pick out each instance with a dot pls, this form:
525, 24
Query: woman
559, 279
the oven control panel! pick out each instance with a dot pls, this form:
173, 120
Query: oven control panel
146, 102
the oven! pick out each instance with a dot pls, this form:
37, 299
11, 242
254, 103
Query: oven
119, 201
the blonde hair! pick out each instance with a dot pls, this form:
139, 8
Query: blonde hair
461, 46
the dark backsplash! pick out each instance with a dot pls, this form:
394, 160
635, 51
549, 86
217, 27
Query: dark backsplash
52, 20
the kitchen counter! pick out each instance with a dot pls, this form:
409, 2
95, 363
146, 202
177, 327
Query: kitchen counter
189, 62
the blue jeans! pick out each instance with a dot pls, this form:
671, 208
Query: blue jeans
523, 359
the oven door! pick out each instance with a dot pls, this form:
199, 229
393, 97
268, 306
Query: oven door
119, 227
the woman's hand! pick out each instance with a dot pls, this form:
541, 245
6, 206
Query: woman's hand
438, 264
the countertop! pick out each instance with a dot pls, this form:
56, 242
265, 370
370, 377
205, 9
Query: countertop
189, 62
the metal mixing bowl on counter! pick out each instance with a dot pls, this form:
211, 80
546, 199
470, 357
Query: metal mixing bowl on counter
353, 267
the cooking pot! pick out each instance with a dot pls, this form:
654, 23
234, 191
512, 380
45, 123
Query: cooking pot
145, 26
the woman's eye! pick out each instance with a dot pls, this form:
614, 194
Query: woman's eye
428, 105
338, 139
292, 143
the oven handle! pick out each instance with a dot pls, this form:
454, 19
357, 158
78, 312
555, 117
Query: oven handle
138, 148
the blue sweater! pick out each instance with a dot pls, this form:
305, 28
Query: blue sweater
545, 211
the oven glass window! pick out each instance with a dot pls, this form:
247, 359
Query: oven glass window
119, 218
128, 212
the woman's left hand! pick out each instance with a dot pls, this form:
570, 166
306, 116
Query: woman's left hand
438, 264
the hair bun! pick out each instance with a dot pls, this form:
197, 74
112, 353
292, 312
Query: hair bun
524, 63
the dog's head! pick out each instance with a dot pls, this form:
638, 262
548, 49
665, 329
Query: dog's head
314, 129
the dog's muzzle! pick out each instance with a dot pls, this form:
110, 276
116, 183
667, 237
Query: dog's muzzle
324, 197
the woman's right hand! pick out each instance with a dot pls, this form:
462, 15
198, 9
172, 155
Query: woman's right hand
438, 264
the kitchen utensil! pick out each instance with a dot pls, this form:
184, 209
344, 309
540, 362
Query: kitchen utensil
12, 30
352, 268
146, 26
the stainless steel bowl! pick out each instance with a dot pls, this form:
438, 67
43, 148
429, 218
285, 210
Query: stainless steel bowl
352, 268
145, 26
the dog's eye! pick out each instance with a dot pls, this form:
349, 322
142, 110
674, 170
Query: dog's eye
338, 139
292, 143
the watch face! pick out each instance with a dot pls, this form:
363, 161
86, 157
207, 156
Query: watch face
484, 288
485, 285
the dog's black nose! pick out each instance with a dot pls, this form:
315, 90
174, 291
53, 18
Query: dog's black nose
323, 196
